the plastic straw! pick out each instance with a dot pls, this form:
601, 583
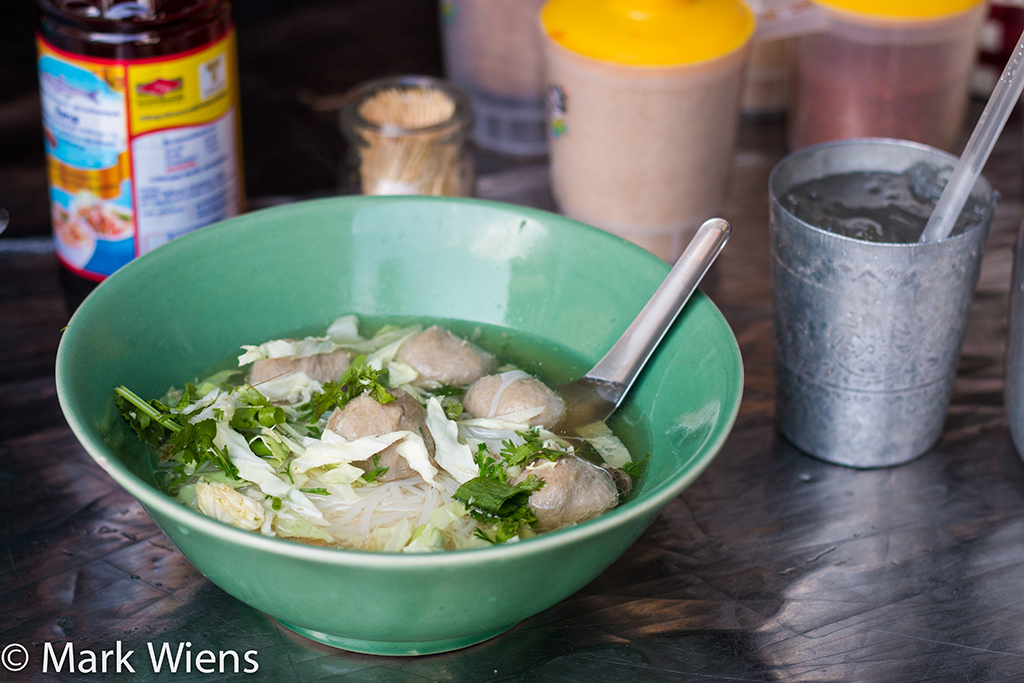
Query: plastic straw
978, 149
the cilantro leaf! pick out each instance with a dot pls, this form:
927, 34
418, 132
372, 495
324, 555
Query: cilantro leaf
448, 390
193, 445
489, 467
359, 379
636, 469
185, 442
489, 500
452, 409
188, 396
531, 449
508, 527
481, 534
151, 421
331, 395
377, 472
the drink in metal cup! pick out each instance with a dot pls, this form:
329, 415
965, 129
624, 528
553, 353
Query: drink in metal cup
867, 335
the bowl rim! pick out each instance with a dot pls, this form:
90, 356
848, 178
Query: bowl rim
149, 497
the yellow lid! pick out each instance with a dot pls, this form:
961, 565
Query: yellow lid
649, 32
902, 9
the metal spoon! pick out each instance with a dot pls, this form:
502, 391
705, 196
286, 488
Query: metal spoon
595, 396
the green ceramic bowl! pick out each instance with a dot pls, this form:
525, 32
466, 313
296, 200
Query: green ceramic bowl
551, 292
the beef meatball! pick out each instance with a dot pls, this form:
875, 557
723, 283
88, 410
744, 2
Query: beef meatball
442, 358
511, 392
364, 416
323, 367
574, 491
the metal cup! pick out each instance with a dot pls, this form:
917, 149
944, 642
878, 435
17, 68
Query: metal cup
867, 335
1014, 389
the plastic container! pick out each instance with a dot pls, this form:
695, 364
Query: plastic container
1002, 27
141, 126
643, 109
1013, 390
885, 68
492, 50
766, 81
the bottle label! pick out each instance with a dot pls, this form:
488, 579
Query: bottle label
138, 151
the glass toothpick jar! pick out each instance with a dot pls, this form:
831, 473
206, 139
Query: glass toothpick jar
408, 136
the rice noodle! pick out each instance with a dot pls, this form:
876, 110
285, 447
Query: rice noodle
304, 477
507, 378
385, 505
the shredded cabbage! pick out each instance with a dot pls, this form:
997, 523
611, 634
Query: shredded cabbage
225, 504
345, 330
427, 539
383, 356
291, 389
381, 339
297, 527
608, 446
451, 455
287, 348
414, 450
334, 449
400, 373
261, 459
258, 471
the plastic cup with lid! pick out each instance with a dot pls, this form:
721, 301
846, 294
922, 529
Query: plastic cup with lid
885, 68
766, 81
643, 105
492, 50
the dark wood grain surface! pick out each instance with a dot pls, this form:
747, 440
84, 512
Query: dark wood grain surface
772, 566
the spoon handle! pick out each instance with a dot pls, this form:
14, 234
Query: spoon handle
624, 361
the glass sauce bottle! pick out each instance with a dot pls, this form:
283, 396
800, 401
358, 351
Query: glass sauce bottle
141, 127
